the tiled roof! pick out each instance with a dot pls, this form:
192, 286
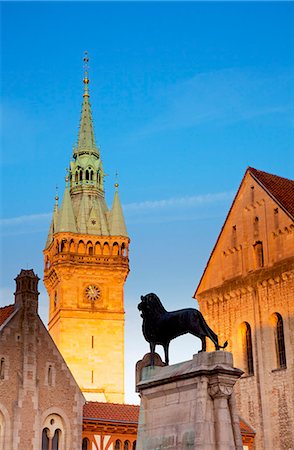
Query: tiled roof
113, 412
282, 189
245, 428
5, 312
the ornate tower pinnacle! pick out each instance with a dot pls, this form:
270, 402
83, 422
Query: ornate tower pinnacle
85, 267
86, 79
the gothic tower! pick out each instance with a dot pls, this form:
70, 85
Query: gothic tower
86, 266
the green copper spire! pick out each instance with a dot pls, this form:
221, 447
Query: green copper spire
86, 171
66, 217
117, 221
86, 139
53, 225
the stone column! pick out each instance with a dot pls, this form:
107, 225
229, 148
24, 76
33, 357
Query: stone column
221, 390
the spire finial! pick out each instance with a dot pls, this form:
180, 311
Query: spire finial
56, 195
86, 71
116, 181
66, 176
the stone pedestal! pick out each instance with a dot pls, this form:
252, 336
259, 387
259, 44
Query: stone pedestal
189, 405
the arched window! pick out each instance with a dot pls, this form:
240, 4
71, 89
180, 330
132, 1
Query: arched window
63, 245
123, 250
134, 445
115, 249
127, 445
2, 369
50, 375
52, 433
72, 246
56, 440
81, 175
247, 351
87, 174
91, 175
98, 250
258, 254
106, 250
81, 247
279, 341
2, 431
86, 444
117, 445
45, 439
249, 354
90, 250
76, 176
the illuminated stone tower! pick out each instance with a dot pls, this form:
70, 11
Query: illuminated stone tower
86, 266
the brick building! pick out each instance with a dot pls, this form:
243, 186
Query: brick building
40, 402
246, 294
110, 426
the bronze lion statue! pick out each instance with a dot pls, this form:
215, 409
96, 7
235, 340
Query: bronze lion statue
161, 326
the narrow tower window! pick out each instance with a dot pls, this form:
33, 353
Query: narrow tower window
2, 369
92, 341
45, 439
117, 445
247, 351
258, 254
249, 354
280, 342
56, 440
234, 236
50, 375
276, 217
86, 444
252, 194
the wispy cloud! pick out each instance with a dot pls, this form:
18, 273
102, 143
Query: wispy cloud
176, 202
222, 97
17, 225
20, 220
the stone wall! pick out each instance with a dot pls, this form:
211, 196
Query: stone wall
253, 293
190, 405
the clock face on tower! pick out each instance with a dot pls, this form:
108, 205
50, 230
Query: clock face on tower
92, 292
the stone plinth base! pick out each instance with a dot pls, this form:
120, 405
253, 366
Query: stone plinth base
189, 405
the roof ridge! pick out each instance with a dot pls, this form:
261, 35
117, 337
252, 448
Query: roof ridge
5, 313
110, 403
268, 173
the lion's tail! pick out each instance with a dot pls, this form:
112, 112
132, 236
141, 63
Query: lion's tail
211, 334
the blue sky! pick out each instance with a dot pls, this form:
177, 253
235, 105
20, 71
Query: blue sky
184, 97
